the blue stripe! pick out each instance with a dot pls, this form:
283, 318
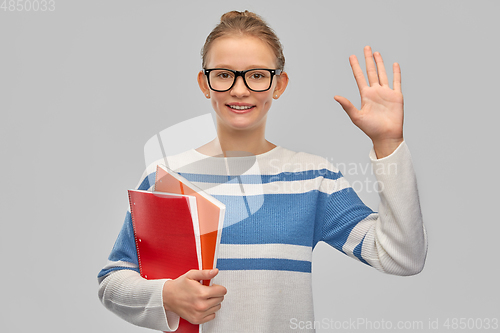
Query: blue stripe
280, 218
343, 212
262, 179
357, 251
268, 264
124, 248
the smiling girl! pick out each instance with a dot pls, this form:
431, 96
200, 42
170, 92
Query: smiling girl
263, 278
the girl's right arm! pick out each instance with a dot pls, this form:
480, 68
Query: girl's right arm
157, 304
137, 300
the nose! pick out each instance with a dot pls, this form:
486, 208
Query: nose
239, 89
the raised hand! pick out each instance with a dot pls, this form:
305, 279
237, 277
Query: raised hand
381, 113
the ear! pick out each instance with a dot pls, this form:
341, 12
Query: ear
202, 82
281, 84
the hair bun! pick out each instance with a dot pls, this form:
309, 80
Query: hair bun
236, 14
245, 23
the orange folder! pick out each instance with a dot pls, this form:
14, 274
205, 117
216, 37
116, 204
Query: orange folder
210, 212
166, 234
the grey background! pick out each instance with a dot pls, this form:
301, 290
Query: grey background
82, 89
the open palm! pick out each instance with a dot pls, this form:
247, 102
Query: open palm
381, 113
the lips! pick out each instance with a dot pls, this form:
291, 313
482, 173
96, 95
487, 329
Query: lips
240, 107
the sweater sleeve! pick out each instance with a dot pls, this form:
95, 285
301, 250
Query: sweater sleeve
123, 291
137, 300
393, 240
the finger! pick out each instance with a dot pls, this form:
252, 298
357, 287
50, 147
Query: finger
215, 291
382, 75
205, 274
213, 309
348, 107
357, 72
371, 70
208, 314
397, 77
204, 319
214, 301
211, 313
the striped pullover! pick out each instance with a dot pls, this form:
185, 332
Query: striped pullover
279, 205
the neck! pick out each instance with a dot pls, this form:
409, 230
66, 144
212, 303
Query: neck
237, 143
243, 143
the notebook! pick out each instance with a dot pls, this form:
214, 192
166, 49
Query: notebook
167, 237
210, 212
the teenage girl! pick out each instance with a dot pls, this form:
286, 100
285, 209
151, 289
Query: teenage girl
263, 278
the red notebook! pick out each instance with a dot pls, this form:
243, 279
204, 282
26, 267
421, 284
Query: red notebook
210, 212
166, 232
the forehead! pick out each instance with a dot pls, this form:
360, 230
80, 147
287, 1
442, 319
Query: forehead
239, 53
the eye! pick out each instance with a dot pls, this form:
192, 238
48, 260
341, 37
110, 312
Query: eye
258, 75
223, 75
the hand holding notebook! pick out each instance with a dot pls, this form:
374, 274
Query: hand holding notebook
191, 300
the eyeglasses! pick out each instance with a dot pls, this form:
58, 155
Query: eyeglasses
257, 79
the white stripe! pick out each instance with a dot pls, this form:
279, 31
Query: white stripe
112, 264
287, 294
278, 251
357, 234
327, 186
371, 256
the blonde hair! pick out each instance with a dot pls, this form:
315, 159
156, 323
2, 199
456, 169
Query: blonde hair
245, 23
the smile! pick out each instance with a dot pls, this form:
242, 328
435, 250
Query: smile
240, 107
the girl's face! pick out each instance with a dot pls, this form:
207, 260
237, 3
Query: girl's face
241, 53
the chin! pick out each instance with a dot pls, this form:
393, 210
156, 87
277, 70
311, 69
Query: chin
242, 124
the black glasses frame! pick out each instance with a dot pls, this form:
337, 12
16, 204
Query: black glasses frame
273, 72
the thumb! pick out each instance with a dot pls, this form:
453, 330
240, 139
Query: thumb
346, 105
206, 274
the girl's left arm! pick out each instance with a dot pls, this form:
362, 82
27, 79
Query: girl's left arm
393, 240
